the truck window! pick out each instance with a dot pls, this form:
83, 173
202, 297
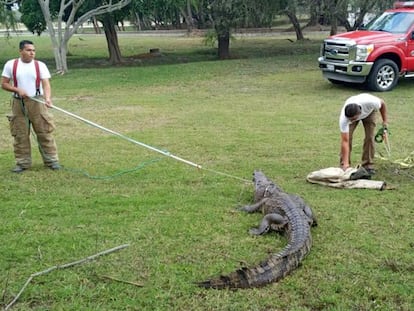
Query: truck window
393, 22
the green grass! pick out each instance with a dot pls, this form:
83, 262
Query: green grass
267, 108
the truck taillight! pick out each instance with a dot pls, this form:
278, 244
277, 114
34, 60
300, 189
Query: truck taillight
403, 4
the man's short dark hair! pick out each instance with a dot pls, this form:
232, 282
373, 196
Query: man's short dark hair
23, 43
351, 110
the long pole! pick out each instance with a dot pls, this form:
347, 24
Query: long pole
166, 153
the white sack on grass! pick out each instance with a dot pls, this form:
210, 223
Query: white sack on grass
337, 178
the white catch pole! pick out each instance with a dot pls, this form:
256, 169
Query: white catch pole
168, 154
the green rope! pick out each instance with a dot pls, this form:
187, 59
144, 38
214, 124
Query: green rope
120, 173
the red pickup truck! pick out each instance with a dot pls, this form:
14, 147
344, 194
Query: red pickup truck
376, 56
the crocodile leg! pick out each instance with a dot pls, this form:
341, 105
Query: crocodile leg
301, 204
254, 207
312, 221
267, 221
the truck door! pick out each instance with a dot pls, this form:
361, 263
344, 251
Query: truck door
410, 50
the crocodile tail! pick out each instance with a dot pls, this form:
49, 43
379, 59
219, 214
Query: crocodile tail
273, 269
258, 276
267, 272
236, 279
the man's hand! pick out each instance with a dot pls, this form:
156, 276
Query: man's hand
48, 102
22, 93
384, 130
384, 135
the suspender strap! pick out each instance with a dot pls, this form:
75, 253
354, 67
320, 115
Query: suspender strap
16, 61
37, 78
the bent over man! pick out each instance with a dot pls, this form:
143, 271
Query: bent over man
363, 107
30, 79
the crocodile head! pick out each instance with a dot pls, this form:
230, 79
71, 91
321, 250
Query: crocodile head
264, 187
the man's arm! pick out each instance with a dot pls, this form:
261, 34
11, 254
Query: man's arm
384, 115
7, 86
344, 151
47, 92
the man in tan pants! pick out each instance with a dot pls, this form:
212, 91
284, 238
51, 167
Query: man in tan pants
30, 79
363, 107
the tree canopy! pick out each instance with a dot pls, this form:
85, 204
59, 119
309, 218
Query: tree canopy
62, 18
68, 21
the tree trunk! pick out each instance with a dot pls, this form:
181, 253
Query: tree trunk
333, 17
96, 26
138, 22
188, 17
59, 43
314, 12
224, 45
334, 25
61, 58
111, 35
295, 22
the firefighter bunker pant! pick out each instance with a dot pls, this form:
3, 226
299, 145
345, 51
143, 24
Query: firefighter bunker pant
27, 113
368, 149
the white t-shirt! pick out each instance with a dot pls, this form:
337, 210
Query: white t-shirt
368, 104
26, 75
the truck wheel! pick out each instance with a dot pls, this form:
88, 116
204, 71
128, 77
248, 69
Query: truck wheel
383, 76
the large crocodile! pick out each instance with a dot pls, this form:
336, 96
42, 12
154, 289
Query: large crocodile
283, 212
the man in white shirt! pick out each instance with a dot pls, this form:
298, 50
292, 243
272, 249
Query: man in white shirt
363, 107
30, 79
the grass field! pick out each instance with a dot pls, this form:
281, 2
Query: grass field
269, 109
